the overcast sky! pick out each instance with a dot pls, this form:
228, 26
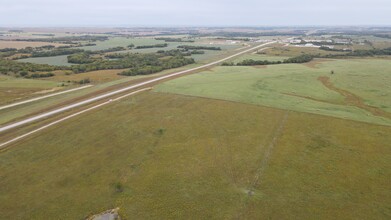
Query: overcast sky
193, 12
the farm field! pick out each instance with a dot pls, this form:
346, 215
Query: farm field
24, 44
300, 87
124, 42
167, 156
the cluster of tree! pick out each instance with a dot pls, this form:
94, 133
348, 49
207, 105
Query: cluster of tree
70, 39
250, 62
233, 38
112, 49
169, 39
56, 52
122, 61
20, 68
151, 46
160, 65
362, 53
84, 81
39, 75
8, 49
174, 52
387, 36
190, 47
299, 59
332, 49
80, 58
182, 52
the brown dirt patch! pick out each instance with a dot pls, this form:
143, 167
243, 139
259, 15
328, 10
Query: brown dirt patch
314, 63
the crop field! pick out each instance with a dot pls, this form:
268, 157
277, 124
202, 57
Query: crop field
24, 44
170, 156
307, 88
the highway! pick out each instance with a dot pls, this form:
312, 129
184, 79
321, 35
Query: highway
106, 95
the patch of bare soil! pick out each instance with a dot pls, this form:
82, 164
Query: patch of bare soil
314, 63
106, 215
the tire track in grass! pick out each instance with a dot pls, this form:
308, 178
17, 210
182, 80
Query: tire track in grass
264, 164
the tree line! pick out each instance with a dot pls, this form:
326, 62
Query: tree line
151, 46
250, 62
169, 39
191, 47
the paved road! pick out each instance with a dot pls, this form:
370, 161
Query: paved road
99, 97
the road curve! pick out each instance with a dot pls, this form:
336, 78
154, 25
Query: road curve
50, 113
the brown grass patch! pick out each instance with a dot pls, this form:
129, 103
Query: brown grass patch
99, 76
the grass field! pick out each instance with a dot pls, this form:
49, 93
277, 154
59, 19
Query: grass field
299, 87
12, 89
96, 77
290, 51
164, 156
55, 60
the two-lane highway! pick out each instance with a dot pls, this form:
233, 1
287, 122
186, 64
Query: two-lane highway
106, 95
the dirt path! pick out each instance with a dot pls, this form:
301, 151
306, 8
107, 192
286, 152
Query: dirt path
258, 176
354, 100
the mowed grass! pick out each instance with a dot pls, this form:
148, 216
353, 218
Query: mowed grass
296, 86
55, 60
164, 156
12, 89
